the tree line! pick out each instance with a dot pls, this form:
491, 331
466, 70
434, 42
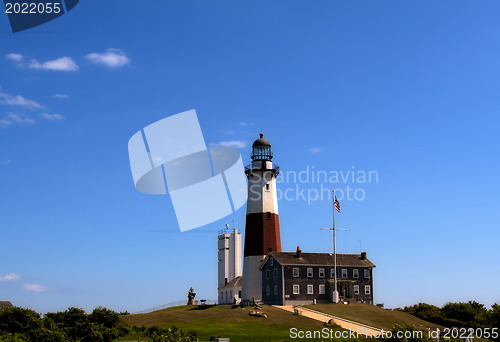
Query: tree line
75, 325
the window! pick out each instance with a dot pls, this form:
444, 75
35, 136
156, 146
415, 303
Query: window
275, 290
268, 290
344, 273
310, 289
295, 289
295, 272
271, 261
367, 273
356, 289
267, 274
309, 272
231, 294
367, 289
355, 273
321, 272
332, 273
239, 294
269, 215
276, 273
267, 186
322, 289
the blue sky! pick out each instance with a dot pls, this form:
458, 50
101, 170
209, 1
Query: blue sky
406, 89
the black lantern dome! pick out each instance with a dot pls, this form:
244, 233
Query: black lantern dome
261, 149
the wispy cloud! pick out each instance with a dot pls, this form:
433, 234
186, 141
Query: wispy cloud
19, 119
35, 287
231, 143
16, 57
53, 117
242, 123
60, 64
5, 123
62, 96
112, 58
10, 276
316, 150
19, 100
12, 119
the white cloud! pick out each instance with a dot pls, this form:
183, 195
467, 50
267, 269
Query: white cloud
61, 96
34, 288
16, 57
10, 276
231, 143
19, 100
60, 64
53, 117
246, 124
19, 119
316, 149
112, 58
5, 123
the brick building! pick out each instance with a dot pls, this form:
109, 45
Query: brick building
301, 278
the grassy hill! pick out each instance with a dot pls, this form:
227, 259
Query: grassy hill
225, 321
372, 315
235, 323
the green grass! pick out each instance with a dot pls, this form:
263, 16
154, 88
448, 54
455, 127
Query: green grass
225, 321
372, 315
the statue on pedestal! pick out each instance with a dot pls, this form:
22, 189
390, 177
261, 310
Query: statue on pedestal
191, 296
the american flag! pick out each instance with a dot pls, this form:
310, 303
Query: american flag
336, 204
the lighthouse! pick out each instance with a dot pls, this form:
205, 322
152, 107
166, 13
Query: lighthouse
262, 229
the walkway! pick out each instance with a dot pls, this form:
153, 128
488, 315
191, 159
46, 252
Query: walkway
359, 328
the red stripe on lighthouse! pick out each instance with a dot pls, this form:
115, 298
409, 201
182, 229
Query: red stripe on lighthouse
262, 234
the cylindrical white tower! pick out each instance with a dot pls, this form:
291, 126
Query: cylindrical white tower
262, 229
229, 252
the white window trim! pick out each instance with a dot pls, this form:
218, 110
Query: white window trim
368, 290
321, 274
332, 273
312, 272
355, 273
310, 289
321, 287
367, 274
298, 273
296, 286
356, 289
344, 273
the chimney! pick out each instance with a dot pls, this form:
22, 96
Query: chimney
363, 255
299, 252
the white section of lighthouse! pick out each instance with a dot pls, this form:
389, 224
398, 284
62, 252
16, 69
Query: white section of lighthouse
262, 232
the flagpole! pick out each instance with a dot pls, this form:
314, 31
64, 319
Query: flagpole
335, 292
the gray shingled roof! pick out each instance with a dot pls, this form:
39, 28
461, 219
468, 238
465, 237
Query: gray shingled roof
4, 305
318, 259
233, 283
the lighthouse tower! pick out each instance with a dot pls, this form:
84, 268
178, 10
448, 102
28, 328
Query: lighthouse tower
262, 229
